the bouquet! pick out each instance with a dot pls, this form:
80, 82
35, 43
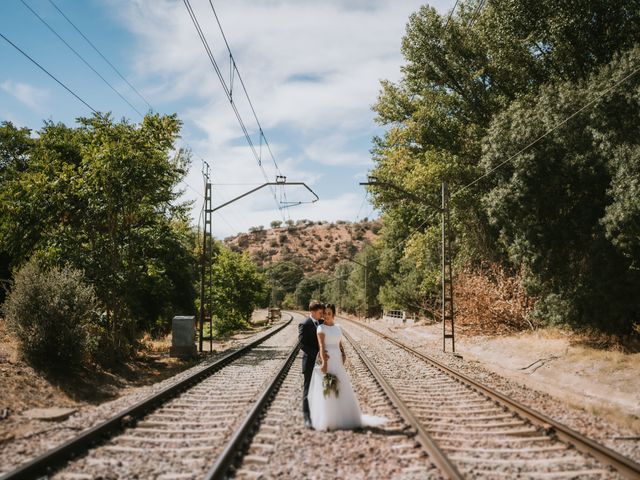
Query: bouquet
330, 384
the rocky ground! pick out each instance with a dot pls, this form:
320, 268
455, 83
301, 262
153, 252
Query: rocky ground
88, 397
592, 390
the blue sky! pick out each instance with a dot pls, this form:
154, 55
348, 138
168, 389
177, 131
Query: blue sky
312, 70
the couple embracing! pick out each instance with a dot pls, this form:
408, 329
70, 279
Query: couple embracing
329, 401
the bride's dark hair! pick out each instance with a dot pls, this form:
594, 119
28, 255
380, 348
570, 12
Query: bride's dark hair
331, 307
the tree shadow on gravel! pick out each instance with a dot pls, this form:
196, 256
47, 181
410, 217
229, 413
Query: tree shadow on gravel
382, 431
96, 385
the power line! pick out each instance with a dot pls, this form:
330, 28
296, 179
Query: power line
234, 230
192, 188
48, 73
450, 14
555, 127
80, 57
244, 88
474, 16
101, 55
364, 198
95, 48
229, 95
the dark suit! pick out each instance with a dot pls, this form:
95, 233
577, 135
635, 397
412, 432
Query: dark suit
310, 348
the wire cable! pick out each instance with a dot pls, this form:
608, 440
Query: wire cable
450, 14
475, 14
48, 73
81, 57
227, 91
192, 188
364, 199
244, 88
101, 55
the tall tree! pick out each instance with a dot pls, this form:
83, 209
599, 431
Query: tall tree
103, 198
458, 78
566, 208
15, 144
238, 288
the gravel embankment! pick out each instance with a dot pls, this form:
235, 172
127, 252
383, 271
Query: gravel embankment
283, 448
582, 420
42, 436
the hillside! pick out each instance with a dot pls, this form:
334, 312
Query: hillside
316, 246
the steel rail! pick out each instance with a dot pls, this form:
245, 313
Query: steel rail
245, 431
49, 461
436, 454
622, 464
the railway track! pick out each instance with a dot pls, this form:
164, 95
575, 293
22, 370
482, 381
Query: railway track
188, 430
473, 431
238, 418
282, 448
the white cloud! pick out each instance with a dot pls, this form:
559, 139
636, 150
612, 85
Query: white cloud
29, 95
312, 70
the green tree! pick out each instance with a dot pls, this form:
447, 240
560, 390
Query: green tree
15, 144
335, 289
238, 288
356, 300
52, 313
457, 80
283, 277
310, 288
566, 208
102, 197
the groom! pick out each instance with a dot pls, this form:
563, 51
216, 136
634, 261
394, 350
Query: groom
309, 346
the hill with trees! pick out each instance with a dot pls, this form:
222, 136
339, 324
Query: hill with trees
314, 246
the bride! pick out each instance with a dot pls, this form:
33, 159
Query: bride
334, 406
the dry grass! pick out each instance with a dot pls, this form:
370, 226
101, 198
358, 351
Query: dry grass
155, 346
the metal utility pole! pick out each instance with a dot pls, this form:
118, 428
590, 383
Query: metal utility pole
447, 274
366, 297
366, 293
206, 267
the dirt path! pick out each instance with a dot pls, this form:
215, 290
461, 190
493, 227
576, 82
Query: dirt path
603, 381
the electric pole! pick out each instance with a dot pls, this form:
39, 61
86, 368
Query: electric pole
447, 274
206, 267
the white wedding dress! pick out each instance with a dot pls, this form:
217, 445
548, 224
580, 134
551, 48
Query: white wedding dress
341, 411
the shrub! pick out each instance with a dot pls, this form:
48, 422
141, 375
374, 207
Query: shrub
50, 312
493, 301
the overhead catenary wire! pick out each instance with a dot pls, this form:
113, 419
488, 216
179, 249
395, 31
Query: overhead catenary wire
364, 199
69, 89
451, 14
235, 71
476, 12
234, 66
80, 57
229, 96
101, 55
48, 73
117, 71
